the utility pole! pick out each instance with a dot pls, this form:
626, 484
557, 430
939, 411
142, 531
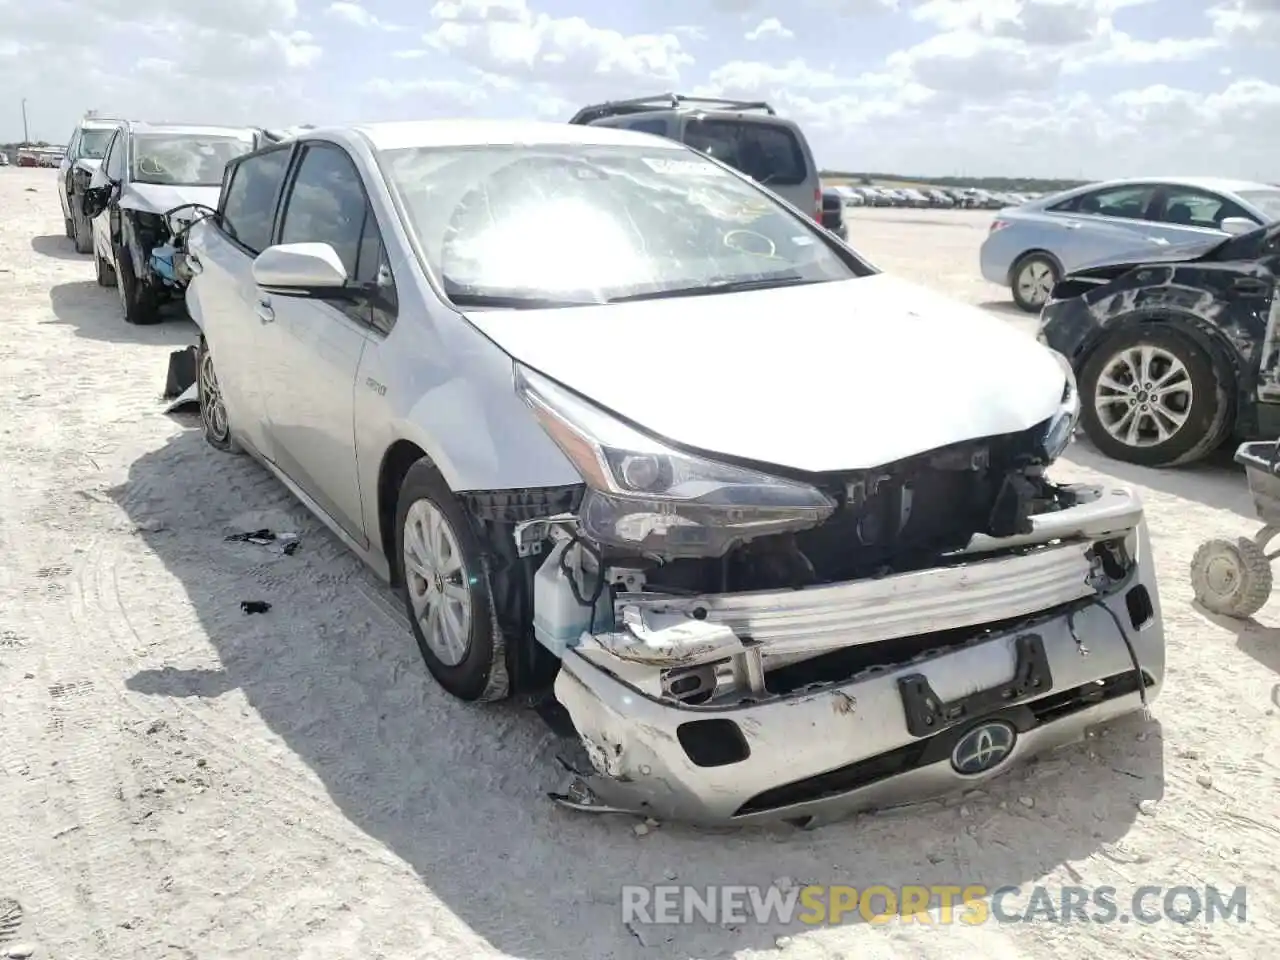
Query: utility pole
26, 136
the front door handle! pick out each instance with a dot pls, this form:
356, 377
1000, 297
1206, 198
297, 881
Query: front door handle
265, 313
1158, 240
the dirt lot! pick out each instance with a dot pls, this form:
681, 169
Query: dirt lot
181, 780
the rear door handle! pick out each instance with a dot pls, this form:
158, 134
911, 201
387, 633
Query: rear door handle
265, 313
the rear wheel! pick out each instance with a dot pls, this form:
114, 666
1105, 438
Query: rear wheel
446, 589
1151, 397
1032, 280
69, 227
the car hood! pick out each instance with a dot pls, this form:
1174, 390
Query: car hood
160, 198
831, 376
1178, 253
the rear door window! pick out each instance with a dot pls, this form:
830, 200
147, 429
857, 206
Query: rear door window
249, 198
768, 153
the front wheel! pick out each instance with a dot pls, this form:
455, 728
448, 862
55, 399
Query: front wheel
213, 407
1033, 279
1151, 397
140, 303
446, 589
81, 232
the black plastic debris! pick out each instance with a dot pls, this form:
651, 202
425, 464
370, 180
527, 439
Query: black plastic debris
261, 537
182, 372
254, 606
291, 547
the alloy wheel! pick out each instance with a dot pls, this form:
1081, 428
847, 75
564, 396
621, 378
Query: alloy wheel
1035, 282
1143, 396
438, 582
213, 410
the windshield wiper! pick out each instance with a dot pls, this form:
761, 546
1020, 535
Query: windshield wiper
717, 286
514, 303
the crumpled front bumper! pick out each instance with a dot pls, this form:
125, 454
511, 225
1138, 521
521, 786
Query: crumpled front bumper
821, 754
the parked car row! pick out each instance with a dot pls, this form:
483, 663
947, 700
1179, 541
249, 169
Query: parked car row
968, 198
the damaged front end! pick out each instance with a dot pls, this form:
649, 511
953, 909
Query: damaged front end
161, 242
738, 646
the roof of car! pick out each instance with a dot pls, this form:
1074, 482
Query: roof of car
459, 133
1215, 184
207, 130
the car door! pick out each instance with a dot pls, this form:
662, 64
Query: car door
310, 389
1189, 214
65, 166
110, 172
228, 302
1100, 224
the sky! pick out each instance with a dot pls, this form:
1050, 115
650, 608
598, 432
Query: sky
1051, 88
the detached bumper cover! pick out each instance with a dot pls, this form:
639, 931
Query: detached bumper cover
887, 736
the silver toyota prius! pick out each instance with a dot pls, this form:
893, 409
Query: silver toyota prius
626, 429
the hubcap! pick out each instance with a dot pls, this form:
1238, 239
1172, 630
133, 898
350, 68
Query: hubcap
1144, 396
1222, 576
1035, 282
212, 409
438, 583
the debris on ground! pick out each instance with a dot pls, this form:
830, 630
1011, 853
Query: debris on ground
254, 606
288, 542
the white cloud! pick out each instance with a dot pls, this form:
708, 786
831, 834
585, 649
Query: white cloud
507, 37
769, 27
354, 13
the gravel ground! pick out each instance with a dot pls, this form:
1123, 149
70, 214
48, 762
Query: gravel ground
182, 780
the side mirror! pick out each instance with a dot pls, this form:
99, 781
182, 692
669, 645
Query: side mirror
301, 270
1237, 225
94, 201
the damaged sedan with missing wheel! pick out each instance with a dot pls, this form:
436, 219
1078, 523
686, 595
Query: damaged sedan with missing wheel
773, 529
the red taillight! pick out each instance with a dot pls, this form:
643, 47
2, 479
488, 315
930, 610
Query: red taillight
817, 204
997, 225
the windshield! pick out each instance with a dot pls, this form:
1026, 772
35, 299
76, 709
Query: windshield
1267, 201
594, 224
93, 143
185, 159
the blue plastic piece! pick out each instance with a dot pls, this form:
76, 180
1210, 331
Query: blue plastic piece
162, 264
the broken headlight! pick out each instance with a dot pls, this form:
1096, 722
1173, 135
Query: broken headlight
1062, 425
647, 498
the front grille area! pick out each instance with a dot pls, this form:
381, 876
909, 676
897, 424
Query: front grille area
929, 750
910, 511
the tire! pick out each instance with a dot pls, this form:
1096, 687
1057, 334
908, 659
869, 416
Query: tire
1035, 265
1231, 578
81, 232
480, 672
69, 227
106, 275
140, 304
1206, 422
213, 410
